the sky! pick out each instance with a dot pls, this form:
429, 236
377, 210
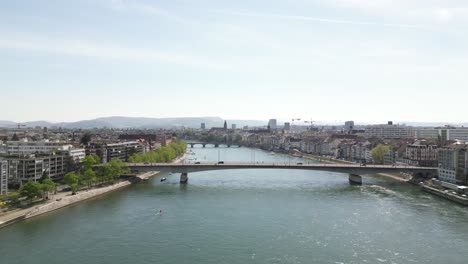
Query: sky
325, 60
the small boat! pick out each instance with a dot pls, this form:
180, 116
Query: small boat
163, 179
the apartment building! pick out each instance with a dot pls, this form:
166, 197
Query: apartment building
389, 131
109, 151
443, 133
3, 177
422, 153
453, 164
23, 169
35, 147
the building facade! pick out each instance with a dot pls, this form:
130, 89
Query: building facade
389, 131
122, 150
422, 153
444, 134
23, 169
272, 124
3, 177
35, 147
453, 164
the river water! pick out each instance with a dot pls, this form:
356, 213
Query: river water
247, 216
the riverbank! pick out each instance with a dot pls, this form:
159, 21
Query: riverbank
446, 195
64, 199
397, 177
58, 201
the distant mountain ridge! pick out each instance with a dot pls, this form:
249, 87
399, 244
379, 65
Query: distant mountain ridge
139, 122
176, 122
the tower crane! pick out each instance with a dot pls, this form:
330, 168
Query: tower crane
311, 122
295, 119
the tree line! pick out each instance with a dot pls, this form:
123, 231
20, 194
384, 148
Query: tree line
162, 154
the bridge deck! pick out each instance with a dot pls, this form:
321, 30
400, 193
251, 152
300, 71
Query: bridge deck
343, 168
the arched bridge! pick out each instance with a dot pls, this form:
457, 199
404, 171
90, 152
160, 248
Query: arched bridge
215, 144
354, 170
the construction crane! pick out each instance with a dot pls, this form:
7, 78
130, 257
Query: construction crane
295, 119
311, 122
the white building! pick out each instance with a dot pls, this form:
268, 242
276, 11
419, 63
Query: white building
35, 147
389, 131
3, 177
446, 133
77, 154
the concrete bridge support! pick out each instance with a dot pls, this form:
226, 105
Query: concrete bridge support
204, 145
355, 179
191, 145
184, 177
216, 145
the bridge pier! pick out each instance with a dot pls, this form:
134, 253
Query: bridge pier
204, 145
355, 179
184, 177
191, 145
216, 145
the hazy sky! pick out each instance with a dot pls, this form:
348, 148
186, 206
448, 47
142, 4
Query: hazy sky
364, 60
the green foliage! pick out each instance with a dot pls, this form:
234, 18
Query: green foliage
12, 198
112, 170
72, 179
31, 190
378, 153
162, 154
90, 160
47, 186
88, 177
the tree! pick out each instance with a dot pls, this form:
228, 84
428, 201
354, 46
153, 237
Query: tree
15, 137
88, 177
13, 198
378, 153
72, 179
48, 186
31, 190
90, 160
85, 139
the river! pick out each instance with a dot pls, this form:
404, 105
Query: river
247, 216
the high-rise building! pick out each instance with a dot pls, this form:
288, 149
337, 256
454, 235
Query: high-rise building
287, 126
3, 177
225, 125
203, 126
453, 164
272, 124
349, 125
233, 126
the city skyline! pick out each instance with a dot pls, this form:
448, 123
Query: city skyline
327, 60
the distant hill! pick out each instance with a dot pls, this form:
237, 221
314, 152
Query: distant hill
139, 122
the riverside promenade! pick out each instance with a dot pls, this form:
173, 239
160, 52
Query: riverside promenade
64, 199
